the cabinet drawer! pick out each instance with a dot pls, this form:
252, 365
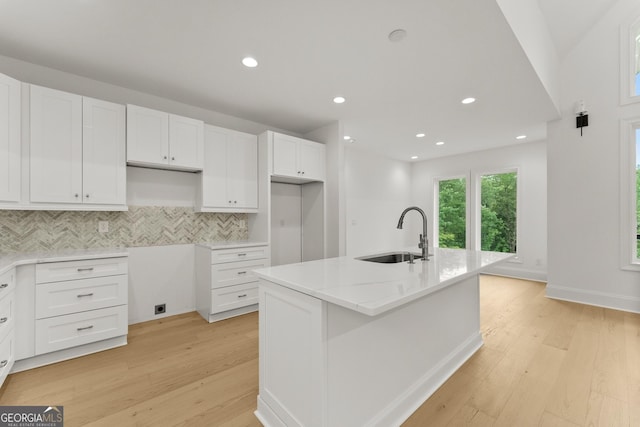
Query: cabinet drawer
6, 356
7, 282
239, 254
57, 333
7, 314
235, 273
71, 270
58, 298
223, 299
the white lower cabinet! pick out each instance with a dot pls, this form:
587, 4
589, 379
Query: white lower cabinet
225, 283
7, 333
71, 330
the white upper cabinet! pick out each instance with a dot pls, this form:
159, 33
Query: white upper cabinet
104, 169
76, 150
298, 158
147, 136
9, 139
230, 173
56, 146
163, 140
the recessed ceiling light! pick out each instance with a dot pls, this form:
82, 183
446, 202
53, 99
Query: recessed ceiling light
397, 35
468, 100
414, 157
420, 135
339, 99
249, 62
346, 137
440, 143
521, 136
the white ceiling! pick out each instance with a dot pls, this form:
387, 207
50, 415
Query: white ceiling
309, 52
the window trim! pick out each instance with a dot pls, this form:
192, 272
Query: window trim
436, 207
628, 225
478, 208
627, 61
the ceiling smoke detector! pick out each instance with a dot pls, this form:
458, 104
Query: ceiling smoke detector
397, 35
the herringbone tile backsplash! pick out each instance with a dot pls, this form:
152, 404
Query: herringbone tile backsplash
30, 231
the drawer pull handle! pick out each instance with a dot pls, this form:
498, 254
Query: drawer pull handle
242, 272
242, 254
4, 285
242, 296
4, 363
85, 269
85, 295
85, 328
4, 319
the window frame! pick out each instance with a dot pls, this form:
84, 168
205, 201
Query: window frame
436, 207
478, 208
627, 61
628, 220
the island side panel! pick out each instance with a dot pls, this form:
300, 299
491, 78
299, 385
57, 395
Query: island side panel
292, 390
382, 368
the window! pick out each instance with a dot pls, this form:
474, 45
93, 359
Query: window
630, 62
630, 193
452, 213
498, 212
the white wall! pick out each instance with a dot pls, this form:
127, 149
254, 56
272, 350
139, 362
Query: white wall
530, 28
530, 161
377, 191
583, 174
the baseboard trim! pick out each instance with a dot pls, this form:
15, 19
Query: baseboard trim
595, 298
517, 273
69, 353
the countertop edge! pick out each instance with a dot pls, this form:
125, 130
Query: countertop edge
19, 259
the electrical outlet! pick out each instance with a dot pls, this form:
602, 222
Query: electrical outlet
161, 308
103, 226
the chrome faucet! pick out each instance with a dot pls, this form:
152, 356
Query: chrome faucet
424, 242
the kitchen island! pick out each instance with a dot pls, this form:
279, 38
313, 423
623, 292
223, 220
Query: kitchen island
347, 342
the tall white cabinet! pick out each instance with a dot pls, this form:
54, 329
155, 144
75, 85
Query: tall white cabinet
9, 139
162, 140
77, 149
230, 175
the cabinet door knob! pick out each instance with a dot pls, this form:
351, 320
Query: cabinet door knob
3, 320
4, 285
87, 196
235, 201
164, 157
173, 158
76, 195
4, 363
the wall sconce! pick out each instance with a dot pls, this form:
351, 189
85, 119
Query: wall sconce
582, 118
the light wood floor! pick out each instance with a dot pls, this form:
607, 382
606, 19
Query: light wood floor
544, 363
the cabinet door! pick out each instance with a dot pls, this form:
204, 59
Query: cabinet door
285, 155
147, 136
242, 175
311, 160
186, 142
214, 173
56, 146
9, 139
103, 152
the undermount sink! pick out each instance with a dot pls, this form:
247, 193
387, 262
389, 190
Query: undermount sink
390, 258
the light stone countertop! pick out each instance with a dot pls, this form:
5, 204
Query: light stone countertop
374, 288
8, 261
228, 244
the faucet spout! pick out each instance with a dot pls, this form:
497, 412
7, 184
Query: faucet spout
424, 242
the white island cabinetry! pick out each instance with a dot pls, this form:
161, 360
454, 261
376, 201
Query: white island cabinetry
345, 342
225, 283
